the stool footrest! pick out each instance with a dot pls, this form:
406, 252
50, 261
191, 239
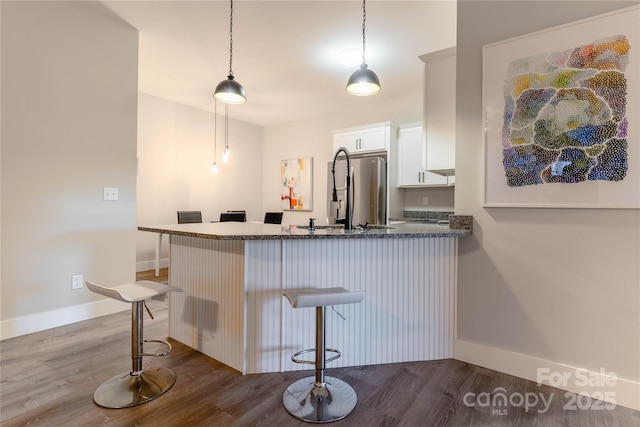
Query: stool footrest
164, 353
294, 356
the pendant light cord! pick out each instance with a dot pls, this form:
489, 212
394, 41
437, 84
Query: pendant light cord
215, 129
226, 126
364, 37
231, 40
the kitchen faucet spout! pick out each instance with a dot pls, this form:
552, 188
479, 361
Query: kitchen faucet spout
347, 221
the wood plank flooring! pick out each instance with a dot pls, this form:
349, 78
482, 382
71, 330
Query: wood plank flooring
48, 379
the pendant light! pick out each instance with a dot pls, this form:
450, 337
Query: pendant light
214, 168
363, 81
230, 91
227, 152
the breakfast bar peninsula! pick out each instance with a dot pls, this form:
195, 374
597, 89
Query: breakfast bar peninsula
233, 275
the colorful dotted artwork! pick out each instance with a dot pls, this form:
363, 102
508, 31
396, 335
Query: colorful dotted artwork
565, 115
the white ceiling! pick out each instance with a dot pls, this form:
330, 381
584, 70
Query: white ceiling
284, 52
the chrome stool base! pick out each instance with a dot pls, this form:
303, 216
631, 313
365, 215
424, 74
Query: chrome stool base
125, 390
319, 403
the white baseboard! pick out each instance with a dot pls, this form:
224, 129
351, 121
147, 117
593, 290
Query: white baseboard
151, 265
603, 385
50, 319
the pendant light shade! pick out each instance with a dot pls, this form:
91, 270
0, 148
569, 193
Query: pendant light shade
230, 91
363, 81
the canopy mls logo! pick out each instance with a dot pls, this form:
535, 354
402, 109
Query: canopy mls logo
600, 398
499, 401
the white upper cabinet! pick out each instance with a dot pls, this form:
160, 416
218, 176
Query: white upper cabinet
364, 139
440, 109
411, 159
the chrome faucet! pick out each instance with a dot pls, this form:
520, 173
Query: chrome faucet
347, 220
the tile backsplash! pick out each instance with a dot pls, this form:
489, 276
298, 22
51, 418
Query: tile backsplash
427, 215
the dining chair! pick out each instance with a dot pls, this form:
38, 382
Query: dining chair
231, 216
188, 217
273, 218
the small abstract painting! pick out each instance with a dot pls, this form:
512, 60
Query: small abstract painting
561, 116
296, 178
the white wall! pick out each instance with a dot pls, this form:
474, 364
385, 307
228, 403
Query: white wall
175, 155
313, 138
69, 101
539, 287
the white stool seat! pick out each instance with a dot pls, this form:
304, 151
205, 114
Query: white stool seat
319, 297
132, 292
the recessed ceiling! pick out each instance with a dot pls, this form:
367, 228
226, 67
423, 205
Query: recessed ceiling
284, 52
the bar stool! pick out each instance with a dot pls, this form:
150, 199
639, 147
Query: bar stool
137, 386
320, 399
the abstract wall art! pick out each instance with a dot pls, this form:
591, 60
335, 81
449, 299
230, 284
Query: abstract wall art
296, 181
561, 116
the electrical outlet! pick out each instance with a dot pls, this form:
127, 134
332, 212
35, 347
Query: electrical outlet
425, 201
76, 282
110, 193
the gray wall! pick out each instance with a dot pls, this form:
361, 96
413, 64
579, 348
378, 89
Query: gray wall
69, 111
560, 285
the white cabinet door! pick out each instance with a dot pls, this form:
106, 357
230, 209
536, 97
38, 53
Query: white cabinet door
411, 160
363, 139
410, 156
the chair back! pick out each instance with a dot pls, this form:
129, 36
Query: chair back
188, 217
239, 216
273, 218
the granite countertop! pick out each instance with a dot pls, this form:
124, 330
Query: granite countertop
259, 231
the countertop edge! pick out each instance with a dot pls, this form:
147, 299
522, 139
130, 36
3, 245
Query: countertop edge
445, 233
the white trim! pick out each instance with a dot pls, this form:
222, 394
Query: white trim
151, 265
51, 319
623, 392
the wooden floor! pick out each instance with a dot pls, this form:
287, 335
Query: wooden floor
48, 379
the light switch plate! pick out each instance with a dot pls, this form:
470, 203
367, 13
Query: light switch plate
110, 193
76, 282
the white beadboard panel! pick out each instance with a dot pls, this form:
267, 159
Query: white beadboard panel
263, 286
209, 314
407, 313
232, 308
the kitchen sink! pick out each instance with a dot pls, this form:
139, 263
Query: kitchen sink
322, 227
341, 227
374, 227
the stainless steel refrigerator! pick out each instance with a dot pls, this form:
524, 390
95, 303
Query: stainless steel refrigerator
369, 191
